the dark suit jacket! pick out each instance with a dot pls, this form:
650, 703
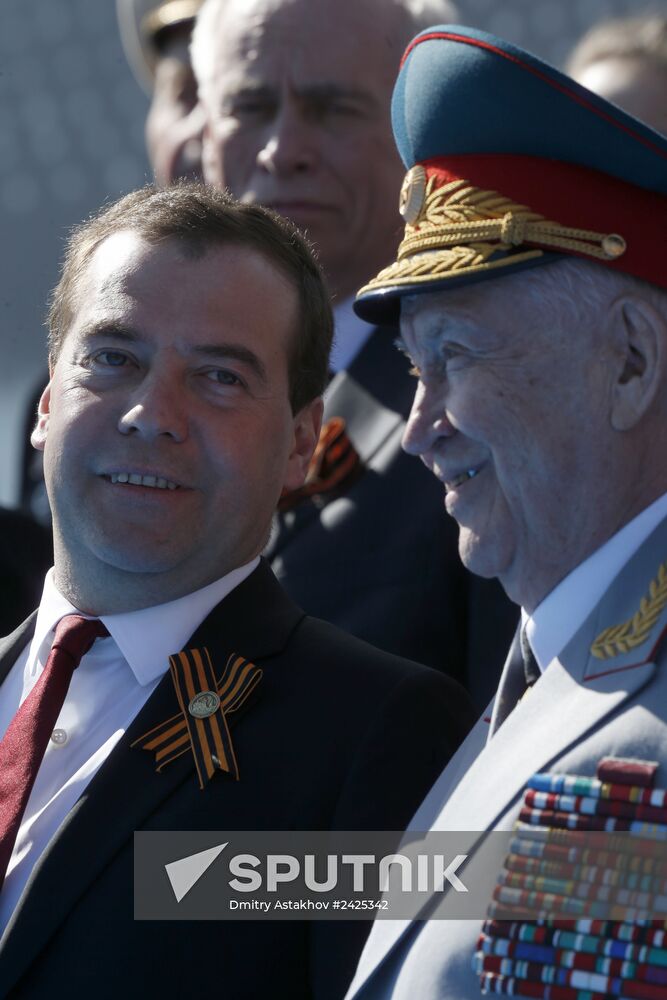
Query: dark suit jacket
381, 561
340, 736
26, 552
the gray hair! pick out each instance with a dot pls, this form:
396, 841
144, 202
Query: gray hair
416, 16
583, 291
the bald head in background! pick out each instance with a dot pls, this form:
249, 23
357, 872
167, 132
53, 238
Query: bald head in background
296, 96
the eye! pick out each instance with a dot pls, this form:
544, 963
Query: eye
111, 359
326, 109
222, 376
252, 107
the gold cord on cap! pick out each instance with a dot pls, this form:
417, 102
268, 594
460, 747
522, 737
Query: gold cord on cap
458, 227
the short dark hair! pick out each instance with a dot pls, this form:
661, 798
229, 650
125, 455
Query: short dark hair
200, 217
640, 37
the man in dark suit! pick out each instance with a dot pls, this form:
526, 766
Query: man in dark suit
296, 97
188, 345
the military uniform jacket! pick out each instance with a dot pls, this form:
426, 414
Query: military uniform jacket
337, 735
584, 707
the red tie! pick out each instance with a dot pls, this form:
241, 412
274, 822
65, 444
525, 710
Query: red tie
25, 742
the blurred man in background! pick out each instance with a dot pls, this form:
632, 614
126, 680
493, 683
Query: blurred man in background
625, 60
296, 98
156, 37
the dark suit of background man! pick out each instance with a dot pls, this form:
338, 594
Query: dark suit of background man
296, 100
188, 346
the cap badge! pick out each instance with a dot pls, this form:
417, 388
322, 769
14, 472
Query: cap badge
412, 195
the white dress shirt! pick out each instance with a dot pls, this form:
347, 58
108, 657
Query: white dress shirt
555, 621
108, 689
350, 335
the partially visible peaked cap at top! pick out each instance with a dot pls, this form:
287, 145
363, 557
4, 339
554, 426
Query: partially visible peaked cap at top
142, 25
511, 164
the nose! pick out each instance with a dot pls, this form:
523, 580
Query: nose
155, 410
427, 424
289, 144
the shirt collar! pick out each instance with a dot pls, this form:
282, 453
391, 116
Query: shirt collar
565, 609
351, 333
145, 638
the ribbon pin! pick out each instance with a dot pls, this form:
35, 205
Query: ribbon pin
205, 704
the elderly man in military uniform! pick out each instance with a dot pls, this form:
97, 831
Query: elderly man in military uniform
532, 292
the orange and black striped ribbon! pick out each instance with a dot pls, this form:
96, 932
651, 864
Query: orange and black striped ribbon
208, 738
335, 465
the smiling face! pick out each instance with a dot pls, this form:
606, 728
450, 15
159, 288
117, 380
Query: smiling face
297, 112
512, 413
166, 426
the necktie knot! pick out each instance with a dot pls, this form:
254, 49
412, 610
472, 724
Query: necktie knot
74, 635
531, 668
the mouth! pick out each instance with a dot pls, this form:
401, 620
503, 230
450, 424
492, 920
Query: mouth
460, 479
134, 479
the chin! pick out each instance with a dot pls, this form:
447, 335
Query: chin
483, 558
130, 556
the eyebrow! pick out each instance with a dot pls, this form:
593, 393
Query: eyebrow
224, 351
321, 92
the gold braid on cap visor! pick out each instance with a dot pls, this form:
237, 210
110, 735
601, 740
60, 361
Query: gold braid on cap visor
454, 229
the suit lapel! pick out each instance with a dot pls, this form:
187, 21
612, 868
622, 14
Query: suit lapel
373, 396
12, 645
255, 620
585, 687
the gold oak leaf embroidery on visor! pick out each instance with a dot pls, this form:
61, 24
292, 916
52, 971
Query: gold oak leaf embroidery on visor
205, 704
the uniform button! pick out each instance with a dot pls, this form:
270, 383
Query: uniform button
59, 737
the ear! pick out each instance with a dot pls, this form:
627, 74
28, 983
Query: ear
38, 436
641, 335
306, 428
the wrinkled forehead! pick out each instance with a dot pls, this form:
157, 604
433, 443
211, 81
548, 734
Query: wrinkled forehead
321, 39
527, 304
